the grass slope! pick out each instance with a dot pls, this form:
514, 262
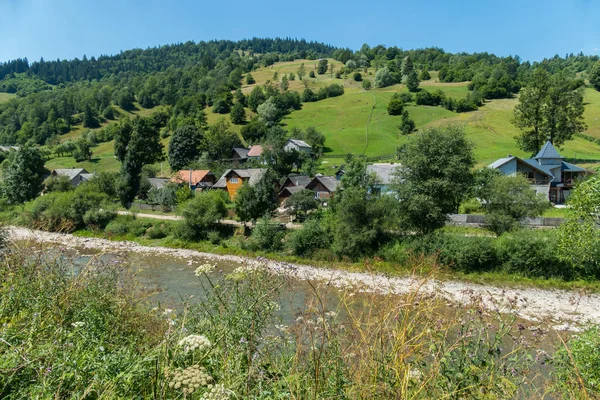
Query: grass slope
343, 120
6, 97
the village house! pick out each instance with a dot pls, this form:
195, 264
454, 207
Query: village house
323, 186
233, 179
239, 155
292, 184
385, 174
158, 183
547, 173
75, 175
198, 179
255, 152
296, 180
298, 145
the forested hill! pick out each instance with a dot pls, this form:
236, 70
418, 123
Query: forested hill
52, 97
155, 59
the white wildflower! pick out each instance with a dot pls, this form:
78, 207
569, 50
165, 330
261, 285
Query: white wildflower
204, 269
78, 324
248, 268
331, 314
189, 379
168, 311
299, 319
282, 328
415, 374
194, 342
217, 392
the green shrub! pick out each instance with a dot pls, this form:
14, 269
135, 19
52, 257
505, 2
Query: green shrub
357, 77
395, 252
461, 253
202, 214
214, 237
531, 253
65, 211
138, 227
470, 206
308, 239
117, 227
98, 218
158, 231
267, 235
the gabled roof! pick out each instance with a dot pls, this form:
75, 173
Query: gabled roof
241, 152
548, 151
572, 168
255, 151
87, 177
292, 189
299, 143
297, 180
71, 173
158, 183
530, 162
501, 161
253, 174
533, 163
220, 184
329, 182
385, 172
183, 176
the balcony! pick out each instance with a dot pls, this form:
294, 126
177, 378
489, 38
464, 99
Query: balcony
534, 181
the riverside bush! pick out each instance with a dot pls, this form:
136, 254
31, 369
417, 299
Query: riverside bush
531, 253
66, 211
308, 239
460, 253
266, 235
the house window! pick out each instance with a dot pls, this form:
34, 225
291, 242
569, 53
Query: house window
234, 180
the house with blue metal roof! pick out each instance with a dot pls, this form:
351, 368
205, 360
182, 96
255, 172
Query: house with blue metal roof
547, 172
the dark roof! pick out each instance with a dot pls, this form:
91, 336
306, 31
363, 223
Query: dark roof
572, 168
297, 179
292, 189
548, 151
543, 168
329, 182
241, 152
71, 173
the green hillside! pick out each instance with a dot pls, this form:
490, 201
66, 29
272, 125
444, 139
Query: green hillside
6, 96
357, 122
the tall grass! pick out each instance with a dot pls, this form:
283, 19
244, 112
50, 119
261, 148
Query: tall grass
88, 332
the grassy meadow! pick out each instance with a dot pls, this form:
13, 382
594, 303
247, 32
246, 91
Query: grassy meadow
358, 122
6, 96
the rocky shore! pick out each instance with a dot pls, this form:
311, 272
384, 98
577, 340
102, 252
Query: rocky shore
561, 309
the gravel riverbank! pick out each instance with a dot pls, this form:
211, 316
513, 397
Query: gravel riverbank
561, 309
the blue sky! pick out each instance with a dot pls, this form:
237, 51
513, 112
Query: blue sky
533, 29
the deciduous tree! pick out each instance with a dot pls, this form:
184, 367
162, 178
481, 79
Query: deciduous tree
550, 108
434, 177
184, 146
508, 200
24, 178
